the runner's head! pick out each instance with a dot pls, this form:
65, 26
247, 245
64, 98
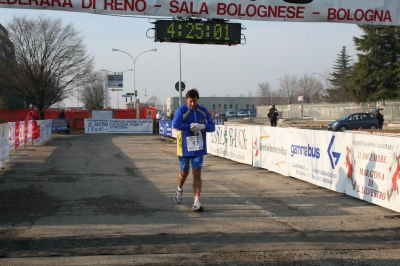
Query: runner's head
192, 98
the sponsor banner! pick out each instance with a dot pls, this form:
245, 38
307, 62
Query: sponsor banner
11, 135
59, 124
317, 157
19, 133
231, 142
373, 167
382, 12
4, 145
143, 126
271, 149
48, 126
165, 128
40, 125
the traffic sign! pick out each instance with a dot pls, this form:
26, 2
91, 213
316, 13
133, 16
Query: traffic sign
116, 89
115, 80
182, 86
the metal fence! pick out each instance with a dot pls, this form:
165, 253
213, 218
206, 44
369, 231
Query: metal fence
330, 111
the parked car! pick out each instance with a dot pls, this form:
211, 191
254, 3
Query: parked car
354, 121
230, 113
242, 114
253, 113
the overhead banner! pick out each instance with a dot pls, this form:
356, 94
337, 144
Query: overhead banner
376, 12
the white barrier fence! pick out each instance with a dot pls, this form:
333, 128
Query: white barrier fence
16, 134
366, 167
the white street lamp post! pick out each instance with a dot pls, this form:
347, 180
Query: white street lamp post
134, 70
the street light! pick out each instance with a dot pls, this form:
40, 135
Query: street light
134, 70
109, 95
271, 97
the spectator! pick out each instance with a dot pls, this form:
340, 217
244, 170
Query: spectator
379, 116
273, 115
61, 114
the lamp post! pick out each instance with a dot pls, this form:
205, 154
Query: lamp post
109, 95
271, 97
134, 70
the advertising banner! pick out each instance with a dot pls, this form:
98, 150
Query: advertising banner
142, 126
382, 12
318, 157
165, 128
373, 169
59, 124
11, 135
231, 142
271, 149
4, 146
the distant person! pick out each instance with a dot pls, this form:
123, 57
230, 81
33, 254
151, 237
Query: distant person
379, 116
273, 115
172, 115
61, 114
192, 122
32, 114
158, 116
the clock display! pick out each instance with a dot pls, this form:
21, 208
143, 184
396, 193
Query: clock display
201, 32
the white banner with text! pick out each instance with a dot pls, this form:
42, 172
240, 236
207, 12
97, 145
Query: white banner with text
376, 12
142, 126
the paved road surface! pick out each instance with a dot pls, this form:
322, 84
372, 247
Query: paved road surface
108, 200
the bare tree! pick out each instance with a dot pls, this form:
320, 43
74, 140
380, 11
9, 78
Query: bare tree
153, 101
50, 59
263, 94
93, 91
227, 95
311, 88
287, 87
249, 94
241, 95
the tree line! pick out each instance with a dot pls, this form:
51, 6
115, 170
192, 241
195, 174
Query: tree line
46, 62
373, 77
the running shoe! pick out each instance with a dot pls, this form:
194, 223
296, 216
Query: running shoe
197, 206
178, 196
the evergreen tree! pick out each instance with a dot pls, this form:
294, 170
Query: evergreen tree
376, 75
339, 92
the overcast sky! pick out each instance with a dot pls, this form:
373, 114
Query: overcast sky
272, 50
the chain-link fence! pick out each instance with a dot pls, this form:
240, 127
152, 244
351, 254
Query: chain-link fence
330, 111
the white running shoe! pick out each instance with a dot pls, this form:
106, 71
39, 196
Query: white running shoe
197, 206
178, 196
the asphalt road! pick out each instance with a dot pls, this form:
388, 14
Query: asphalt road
108, 200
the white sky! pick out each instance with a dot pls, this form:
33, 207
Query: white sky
273, 49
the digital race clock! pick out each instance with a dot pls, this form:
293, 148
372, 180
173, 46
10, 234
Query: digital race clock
201, 32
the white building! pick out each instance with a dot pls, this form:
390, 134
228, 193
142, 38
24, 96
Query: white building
215, 104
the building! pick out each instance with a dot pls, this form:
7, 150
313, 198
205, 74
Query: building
6, 46
216, 104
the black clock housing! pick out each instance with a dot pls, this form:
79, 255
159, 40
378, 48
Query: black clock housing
200, 32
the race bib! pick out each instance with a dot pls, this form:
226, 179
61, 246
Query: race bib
194, 143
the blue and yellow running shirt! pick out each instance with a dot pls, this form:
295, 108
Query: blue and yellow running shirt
188, 143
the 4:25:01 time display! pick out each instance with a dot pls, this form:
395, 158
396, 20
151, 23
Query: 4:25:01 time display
198, 32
